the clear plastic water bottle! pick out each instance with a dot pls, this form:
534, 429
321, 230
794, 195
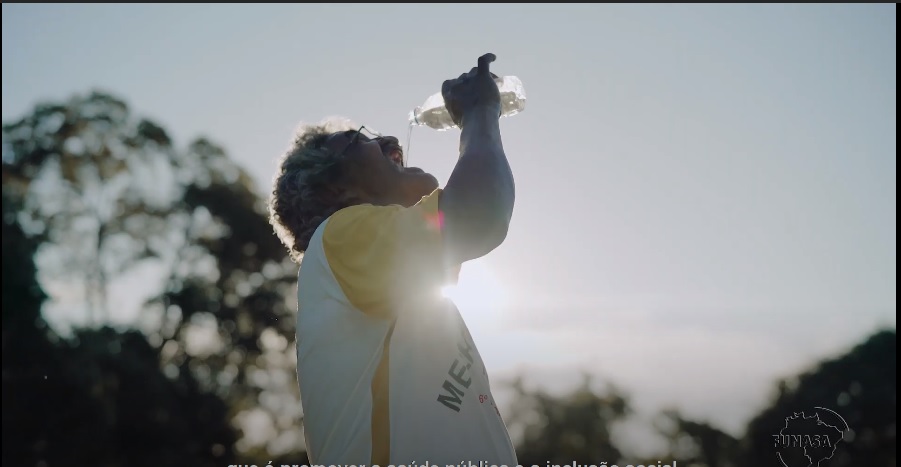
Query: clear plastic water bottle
434, 114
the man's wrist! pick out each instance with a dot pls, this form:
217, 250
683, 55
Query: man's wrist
482, 113
480, 129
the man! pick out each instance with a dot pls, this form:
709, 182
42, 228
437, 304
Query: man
388, 371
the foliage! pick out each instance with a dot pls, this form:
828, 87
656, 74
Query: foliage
573, 427
97, 195
859, 385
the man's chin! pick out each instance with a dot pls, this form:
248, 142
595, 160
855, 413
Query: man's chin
432, 183
425, 185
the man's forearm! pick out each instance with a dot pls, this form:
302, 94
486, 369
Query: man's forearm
483, 165
478, 199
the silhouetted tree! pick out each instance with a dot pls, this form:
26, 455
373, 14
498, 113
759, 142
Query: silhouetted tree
92, 182
860, 386
24, 329
694, 443
100, 193
563, 429
231, 278
98, 399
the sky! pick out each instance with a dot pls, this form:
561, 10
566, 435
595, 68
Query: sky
705, 194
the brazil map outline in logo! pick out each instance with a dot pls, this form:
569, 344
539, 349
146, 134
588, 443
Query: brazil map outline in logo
807, 440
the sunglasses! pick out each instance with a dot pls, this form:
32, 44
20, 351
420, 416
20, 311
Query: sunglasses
372, 136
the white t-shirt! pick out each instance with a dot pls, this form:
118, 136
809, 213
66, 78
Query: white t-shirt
388, 371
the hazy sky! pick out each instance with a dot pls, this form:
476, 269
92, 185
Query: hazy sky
706, 195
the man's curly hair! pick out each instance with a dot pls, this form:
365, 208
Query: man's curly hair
300, 200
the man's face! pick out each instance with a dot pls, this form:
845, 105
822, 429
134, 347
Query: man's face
373, 169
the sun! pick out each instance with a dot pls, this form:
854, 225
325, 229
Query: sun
478, 294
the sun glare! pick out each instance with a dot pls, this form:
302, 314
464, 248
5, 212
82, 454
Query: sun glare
478, 294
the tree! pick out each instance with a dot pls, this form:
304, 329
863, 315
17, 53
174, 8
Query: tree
108, 194
695, 443
859, 385
232, 277
573, 427
89, 181
24, 329
98, 399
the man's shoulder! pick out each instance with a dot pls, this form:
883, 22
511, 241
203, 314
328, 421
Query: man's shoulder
354, 216
378, 213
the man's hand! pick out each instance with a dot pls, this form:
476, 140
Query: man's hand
475, 91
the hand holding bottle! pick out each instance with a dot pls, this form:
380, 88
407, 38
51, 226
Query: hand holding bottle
475, 91
434, 114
